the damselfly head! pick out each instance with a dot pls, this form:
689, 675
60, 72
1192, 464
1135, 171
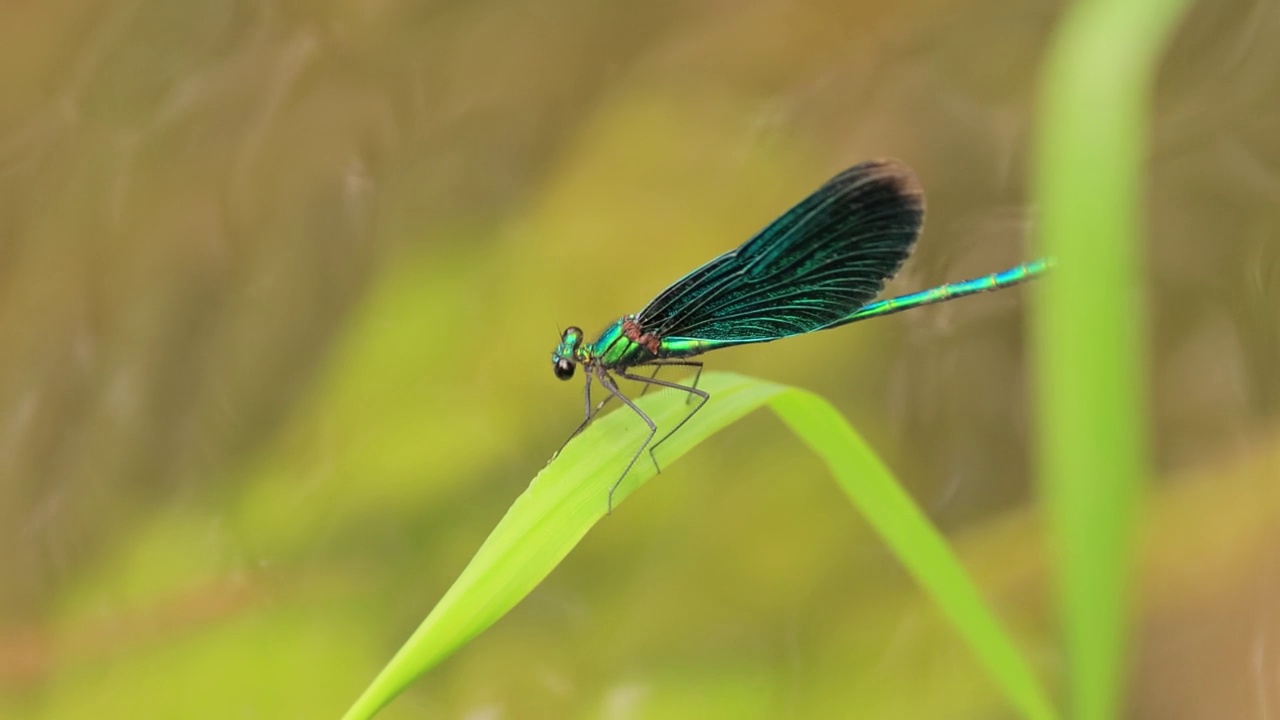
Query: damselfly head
564, 359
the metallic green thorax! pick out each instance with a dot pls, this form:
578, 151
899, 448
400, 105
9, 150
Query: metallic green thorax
614, 349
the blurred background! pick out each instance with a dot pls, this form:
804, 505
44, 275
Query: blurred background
279, 282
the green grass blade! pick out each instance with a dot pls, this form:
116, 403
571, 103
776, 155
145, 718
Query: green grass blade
915, 542
1089, 324
569, 496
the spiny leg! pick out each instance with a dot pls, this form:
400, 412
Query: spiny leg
588, 412
703, 396
612, 387
697, 375
683, 363
654, 375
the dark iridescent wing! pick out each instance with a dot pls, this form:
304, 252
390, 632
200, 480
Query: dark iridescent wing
814, 266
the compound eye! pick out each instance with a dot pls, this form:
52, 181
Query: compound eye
564, 369
572, 336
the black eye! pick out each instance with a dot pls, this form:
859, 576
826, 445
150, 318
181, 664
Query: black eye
564, 369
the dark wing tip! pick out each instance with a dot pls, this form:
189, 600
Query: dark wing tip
896, 174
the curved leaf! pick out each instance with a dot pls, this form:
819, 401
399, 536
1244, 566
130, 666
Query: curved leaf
570, 495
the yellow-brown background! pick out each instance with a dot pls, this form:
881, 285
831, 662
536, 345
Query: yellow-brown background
279, 282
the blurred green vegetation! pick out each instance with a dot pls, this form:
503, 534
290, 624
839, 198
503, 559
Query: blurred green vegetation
1091, 149
279, 284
